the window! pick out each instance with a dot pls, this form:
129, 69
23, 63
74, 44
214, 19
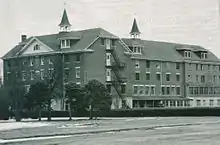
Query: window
218, 102
168, 90
214, 78
113, 42
173, 90
137, 49
197, 78
187, 54
158, 76
172, 103
168, 77
135, 90
137, 64
42, 74
147, 90
206, 90
137, 76
158, 66
147, 76
177, 77
190, 66
23, 76
31, 61
208, 66
36, 47
65, 43
32, 75
50, 72
66, 58
178, 90
147, 64
197, 66
201, 90
42, 60
102, 41
66, 74
77, 72
198, 102
163, 90
27, 88
204, 55
201, 66
50, 60
152, 90
141, 90
202, 78
24, 62
191, 90
177, 65
123, 88
78, 57
211, 102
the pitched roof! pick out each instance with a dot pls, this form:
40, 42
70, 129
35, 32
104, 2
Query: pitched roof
65, 20
86, 37
134, 29
157, 50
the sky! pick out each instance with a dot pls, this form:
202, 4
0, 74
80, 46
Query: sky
188, 21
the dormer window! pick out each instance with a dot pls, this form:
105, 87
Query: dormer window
36, 47
204, 55
136, 49
65, 43
187, 54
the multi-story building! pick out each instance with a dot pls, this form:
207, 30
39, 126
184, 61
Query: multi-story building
138, 73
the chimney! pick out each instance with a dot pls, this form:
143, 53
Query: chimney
23, 38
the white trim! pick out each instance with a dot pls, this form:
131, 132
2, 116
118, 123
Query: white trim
30, 41
91, 43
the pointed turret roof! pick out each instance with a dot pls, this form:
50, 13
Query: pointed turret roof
65, 20
134, 29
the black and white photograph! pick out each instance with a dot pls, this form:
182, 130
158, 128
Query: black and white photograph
109, 72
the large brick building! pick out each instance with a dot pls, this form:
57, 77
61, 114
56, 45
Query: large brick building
138, 73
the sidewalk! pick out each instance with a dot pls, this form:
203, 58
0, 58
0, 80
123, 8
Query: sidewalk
79, 127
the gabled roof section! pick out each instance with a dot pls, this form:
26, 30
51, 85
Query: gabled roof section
85, 38
65, 21
134, 29
166, 51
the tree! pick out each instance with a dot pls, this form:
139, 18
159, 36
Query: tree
97, 96
4, 112
36, 97
15, 87
74, 95
54, 82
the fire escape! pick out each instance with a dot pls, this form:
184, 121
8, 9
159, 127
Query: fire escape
116, 66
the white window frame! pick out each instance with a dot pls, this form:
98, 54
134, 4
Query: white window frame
147, 86
204, 55
168, 73
139, 89
187, 54
66, 43
154, 93
32, 74
146, 76
23, 76
178, 74
77, 70
137, 64
42, 60
36, 47
108, 59
108, 44
42, 74
134, 89
180, 90
31, 61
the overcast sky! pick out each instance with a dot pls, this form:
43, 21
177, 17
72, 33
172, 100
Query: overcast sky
188, 21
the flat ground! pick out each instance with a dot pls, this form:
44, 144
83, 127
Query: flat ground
127, 131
